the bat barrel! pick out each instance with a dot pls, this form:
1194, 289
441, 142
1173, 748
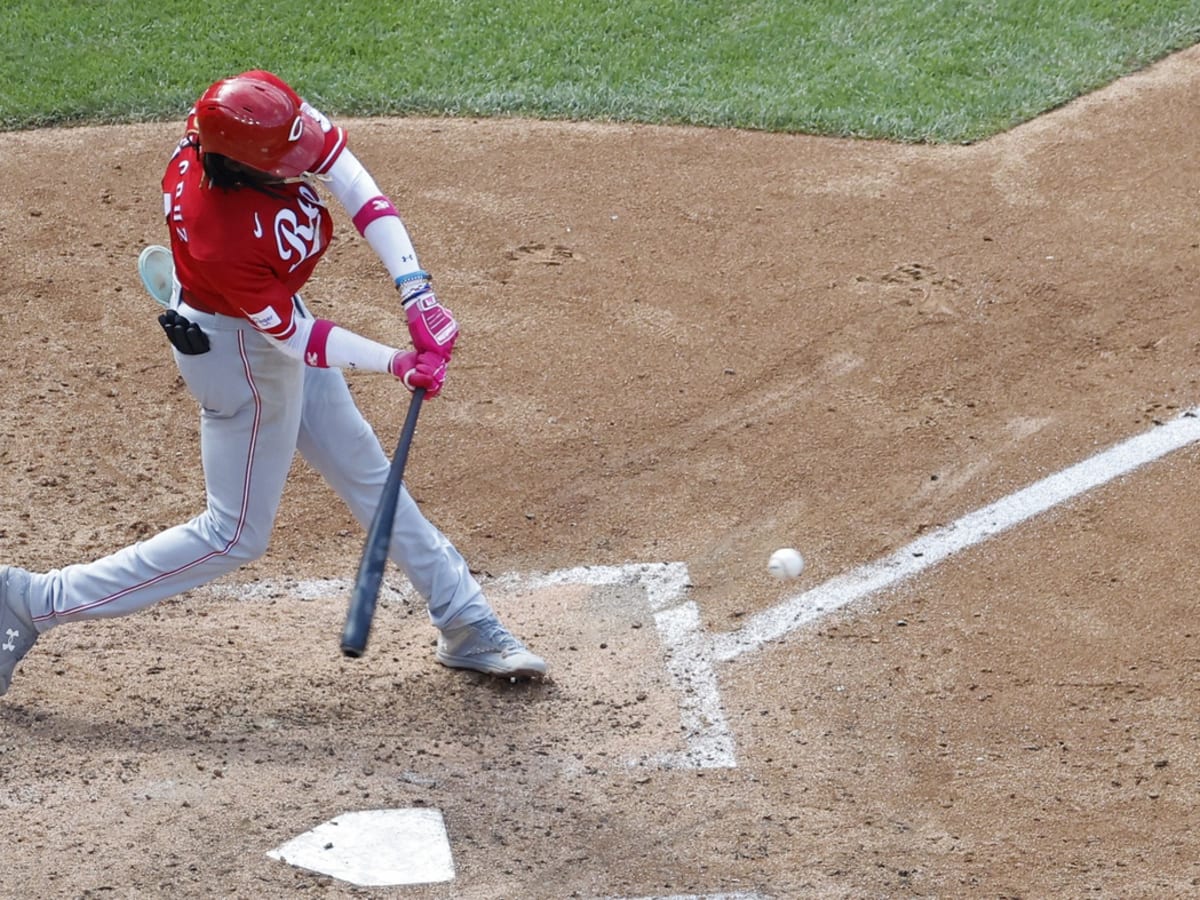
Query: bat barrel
379, 540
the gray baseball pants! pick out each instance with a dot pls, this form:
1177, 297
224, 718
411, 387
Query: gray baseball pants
258, 406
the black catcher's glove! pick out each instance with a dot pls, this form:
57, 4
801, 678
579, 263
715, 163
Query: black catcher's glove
185, 336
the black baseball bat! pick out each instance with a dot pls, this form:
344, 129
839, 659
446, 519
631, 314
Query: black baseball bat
379, 541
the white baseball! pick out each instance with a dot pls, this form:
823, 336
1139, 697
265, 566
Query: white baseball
786, 563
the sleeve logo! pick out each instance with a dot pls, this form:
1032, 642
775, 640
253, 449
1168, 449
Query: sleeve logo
266, 319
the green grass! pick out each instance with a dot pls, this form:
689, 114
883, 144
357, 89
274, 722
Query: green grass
910, 70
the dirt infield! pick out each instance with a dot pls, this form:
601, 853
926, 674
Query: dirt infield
680, 345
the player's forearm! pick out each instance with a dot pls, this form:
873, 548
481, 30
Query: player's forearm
324, 345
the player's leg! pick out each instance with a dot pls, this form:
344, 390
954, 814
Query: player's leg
338, 442
250, 399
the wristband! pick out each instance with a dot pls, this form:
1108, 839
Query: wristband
405, 284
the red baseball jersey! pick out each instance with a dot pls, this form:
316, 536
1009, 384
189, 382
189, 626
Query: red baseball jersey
245, 253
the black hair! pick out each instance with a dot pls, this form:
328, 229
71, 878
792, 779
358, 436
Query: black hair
224, 174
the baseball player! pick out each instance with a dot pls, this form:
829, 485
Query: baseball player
247, 224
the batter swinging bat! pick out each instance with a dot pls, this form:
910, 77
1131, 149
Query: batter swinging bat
379, 539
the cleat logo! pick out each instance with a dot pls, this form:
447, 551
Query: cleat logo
10, 644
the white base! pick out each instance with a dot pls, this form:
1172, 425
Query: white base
375, 848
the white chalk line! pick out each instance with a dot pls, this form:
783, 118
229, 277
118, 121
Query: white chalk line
693, 655
663, 582
708, 740
972, 529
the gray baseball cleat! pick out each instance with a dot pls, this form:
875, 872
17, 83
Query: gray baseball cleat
17, 633
487, 646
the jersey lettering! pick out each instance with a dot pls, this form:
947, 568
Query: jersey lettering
297, 240
173, 203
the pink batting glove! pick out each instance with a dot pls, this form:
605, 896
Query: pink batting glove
430, 324
420, 370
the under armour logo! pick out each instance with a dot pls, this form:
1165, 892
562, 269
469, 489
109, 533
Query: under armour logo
9, 645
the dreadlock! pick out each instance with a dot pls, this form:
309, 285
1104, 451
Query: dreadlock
224, 173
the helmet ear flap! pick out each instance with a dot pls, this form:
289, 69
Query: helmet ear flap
259, 123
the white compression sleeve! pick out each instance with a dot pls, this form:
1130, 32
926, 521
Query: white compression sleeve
373, 214
322, 344
347, 350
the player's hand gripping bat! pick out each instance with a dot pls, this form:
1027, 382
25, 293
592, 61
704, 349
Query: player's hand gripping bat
379, 539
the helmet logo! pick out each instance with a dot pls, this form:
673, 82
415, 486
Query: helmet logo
297, 129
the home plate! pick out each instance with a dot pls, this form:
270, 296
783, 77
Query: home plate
375, 848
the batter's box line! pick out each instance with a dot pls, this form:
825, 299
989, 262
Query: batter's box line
708, 741
663, 582
693, 656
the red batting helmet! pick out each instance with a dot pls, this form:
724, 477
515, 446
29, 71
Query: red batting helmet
257, 123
